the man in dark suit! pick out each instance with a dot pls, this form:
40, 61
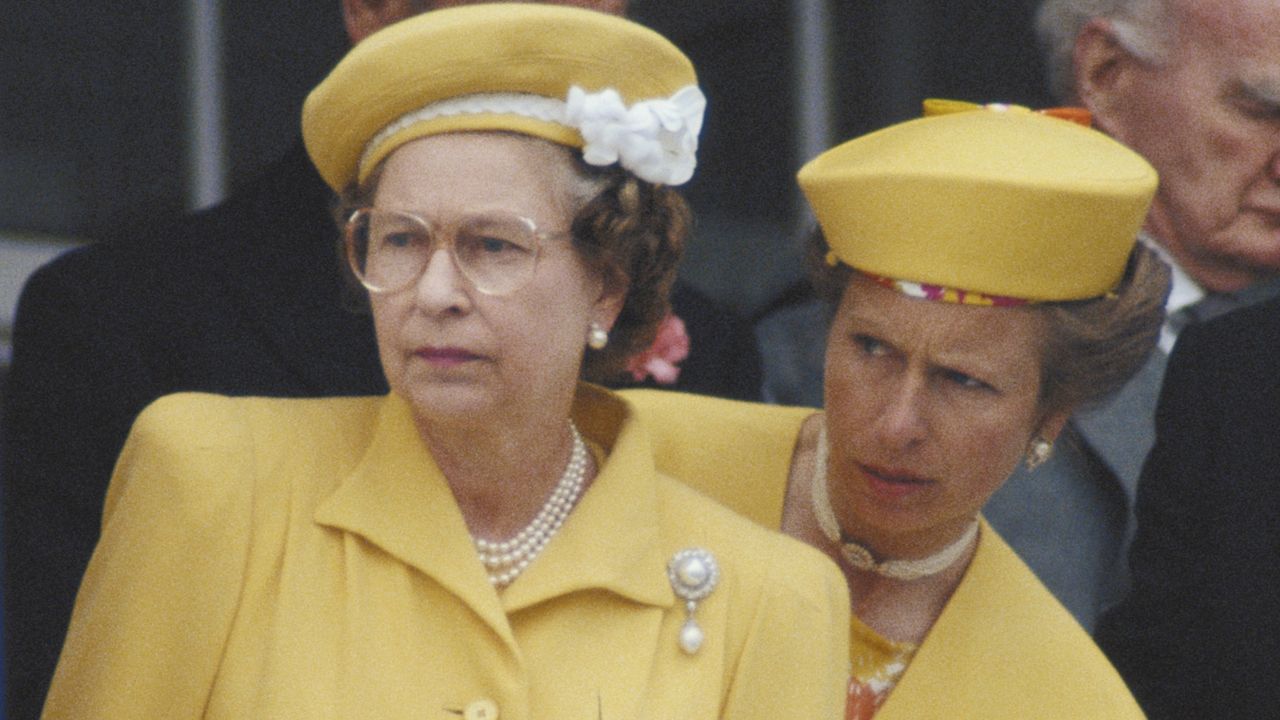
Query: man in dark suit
1199, 634
246, 298
1190, 85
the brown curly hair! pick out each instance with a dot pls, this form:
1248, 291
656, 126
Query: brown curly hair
631, 231
634, 231
1091, 347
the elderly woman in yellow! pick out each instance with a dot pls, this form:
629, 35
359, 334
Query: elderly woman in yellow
491, 539
986, 282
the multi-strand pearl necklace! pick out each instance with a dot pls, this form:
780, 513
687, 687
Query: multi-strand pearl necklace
860, 557
504, 560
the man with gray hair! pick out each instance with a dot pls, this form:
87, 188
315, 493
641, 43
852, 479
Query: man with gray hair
1194, 86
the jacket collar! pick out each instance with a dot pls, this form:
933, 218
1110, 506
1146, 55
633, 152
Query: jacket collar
999, 649
397, 499
613, 539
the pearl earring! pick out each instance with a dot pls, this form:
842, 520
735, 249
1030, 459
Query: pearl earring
1038, 452
597, 337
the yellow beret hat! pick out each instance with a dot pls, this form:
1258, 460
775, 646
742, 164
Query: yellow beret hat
998, 200
577, 77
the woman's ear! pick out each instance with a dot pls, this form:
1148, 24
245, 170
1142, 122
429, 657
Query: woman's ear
613, 295
1052, 424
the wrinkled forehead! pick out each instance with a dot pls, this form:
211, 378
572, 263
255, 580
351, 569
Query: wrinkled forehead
460, 174
1225, 29
996, 339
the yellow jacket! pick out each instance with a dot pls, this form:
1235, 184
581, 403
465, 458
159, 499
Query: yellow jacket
1003, 647
305, 559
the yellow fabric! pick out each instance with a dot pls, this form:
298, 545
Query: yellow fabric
485, 48
730, 450
875, 659
939, 106
877, 665
304, 559
1003, 649
1008, 203
1003, 646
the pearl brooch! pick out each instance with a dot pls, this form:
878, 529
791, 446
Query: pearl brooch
693, 574
504, 560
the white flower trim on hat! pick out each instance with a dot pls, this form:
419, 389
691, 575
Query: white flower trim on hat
655, 139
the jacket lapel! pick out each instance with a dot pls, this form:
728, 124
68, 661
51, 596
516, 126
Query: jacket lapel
397, 499
613, 539
999, 649
1121, 430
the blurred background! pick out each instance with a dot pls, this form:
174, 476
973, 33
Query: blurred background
120, 114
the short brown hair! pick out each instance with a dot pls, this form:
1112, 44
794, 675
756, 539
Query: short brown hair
1093, 347
635, 232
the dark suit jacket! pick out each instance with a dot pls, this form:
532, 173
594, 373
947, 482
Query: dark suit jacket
1198, 635
243, 299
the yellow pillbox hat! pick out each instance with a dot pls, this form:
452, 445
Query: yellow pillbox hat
999, 201
577, 77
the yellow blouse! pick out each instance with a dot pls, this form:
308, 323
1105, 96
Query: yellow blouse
1003, 647
305, 559
877, 661
878, 664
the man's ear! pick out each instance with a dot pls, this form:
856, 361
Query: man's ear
1100, 65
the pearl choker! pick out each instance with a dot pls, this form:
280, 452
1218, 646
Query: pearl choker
860, 557
504, 560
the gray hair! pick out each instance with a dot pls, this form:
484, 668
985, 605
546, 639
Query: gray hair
1142, 27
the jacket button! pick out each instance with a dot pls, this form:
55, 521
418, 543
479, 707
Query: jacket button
483, 709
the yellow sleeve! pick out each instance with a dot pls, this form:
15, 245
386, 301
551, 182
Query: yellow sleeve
154, 610
804, 617
1005, 649
737, 453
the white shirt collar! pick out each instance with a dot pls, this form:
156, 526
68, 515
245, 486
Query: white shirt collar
1183, 293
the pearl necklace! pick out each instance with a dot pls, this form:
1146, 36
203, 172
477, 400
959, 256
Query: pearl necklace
504, 560
860, 557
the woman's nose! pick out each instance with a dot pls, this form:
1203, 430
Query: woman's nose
442, 288
902, 420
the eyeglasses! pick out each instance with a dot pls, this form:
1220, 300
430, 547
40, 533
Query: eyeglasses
389, 250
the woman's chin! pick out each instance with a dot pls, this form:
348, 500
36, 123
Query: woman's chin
463, 403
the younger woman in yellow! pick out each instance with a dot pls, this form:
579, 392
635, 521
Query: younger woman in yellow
986, 282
